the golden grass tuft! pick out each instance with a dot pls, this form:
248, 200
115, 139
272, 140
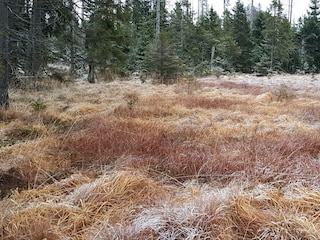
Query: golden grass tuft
36, 164
277, 217
115, 199
82, 203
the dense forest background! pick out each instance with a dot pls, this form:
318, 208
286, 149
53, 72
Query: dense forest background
120, 37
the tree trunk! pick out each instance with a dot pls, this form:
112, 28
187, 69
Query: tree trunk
213, 50
91, 73
35, 39
4, 50
72, 42
290, 10
158, 19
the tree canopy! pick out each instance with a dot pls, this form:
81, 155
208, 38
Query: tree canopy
126, 36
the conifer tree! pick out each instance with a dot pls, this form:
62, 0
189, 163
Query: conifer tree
278, 42
227, 47
241, 34
259, 55
141, 33
310, 33
107, 37
162, 61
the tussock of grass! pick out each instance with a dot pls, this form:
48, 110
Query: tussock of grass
35, 163
9, 115
69, 208
223, 214
117, 197
309, 113
200, 216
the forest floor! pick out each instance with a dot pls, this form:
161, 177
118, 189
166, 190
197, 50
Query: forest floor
235, 157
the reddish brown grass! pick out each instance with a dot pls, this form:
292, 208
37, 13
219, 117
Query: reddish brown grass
208, 103
175, 151
243, 88
8, 115
105, 140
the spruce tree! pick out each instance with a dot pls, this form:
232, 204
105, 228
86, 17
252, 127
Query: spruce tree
227, 50
202, 38
162, 62
141, 33
278, 38
241, 34
107, 37
259, 54
310, 33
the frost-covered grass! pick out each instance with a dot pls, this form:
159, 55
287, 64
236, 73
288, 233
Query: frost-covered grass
126, 160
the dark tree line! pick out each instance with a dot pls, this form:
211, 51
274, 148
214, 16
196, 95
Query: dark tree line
120, 37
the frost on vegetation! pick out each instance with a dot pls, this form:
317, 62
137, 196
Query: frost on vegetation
84, 191
266, 97
188, 216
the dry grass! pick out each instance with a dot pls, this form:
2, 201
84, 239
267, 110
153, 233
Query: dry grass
243, 88
71, 207
125, 160
209, 103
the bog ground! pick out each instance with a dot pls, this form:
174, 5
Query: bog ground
229, 158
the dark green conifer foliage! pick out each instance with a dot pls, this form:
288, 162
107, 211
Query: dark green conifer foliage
227, 48
202, 38
278, 42
241, 33
310, 33
141, 33
162, 61
259, 54
107, 36
123, 36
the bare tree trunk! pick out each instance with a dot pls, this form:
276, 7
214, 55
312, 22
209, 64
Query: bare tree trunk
4, 51
225, 3
158, 19
91, 73
213, 50
72, 36
290, 10
251, 13
35, 39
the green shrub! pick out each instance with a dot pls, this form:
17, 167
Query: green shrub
131, 99
283, 93
38, 105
